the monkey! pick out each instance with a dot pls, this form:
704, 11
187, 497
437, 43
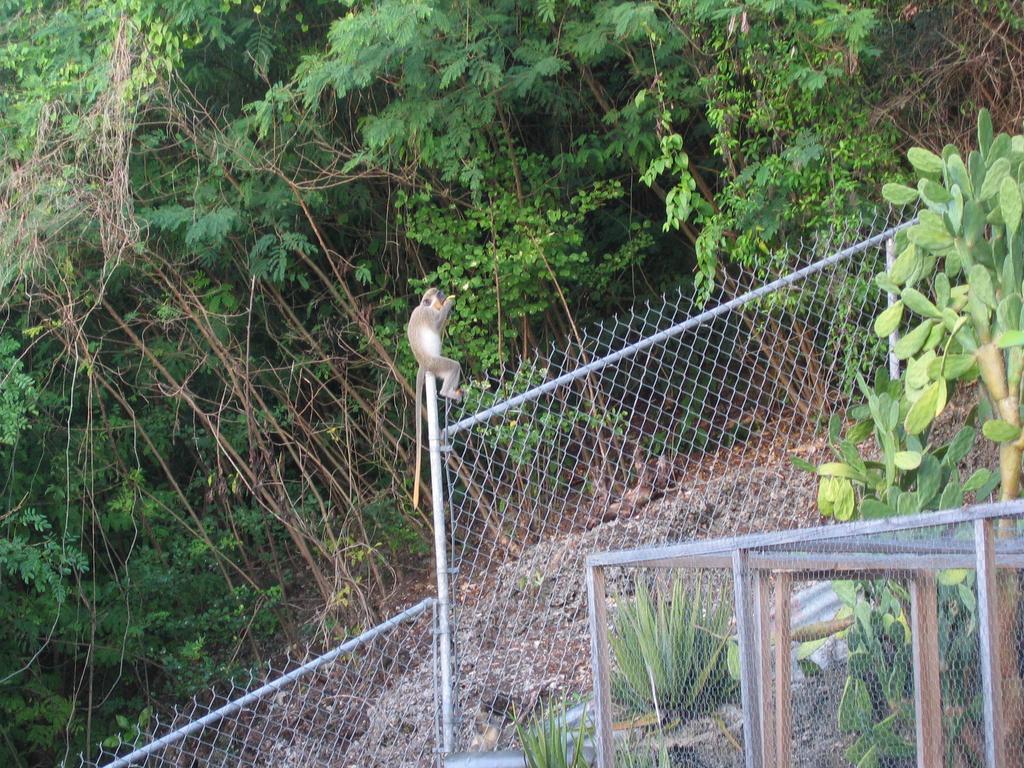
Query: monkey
425, 328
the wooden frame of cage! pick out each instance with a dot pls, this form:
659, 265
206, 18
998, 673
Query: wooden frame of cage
847, 550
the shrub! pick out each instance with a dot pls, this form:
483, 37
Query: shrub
670, 652
550, 742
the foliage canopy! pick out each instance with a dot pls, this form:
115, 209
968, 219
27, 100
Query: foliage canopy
213, 214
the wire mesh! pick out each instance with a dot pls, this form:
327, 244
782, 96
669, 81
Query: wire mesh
675, 421
369, 702
861, 646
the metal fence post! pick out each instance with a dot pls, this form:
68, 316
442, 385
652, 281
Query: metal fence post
890, 259
598, 609
444, 638
750, 682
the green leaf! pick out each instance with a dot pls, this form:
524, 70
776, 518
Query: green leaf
1010, 339
960, 445
952, 496
955, 209
929, 476
899, 194
1000, 431
453, 71
845, 503
732, 660
845, 590
952, 366
919, 303
925, 161
974, 224
994, 178
802, 464
918, 374
860, 431
1009, 309
957, 172
930, 235
912, 342
935, 336
905, 265
883, 281
836, 498
950, 319
990, 485
934, 194
855, 713
1011, 204
807, 649
984, 131
889, 320
856, 751
942, 290
927, 407
908, 503
837, 469
952, 576
907, 460
873, 509
981, 285
212, 228
978, 480
871, 758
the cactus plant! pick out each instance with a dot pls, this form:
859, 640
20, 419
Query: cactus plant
968, 245
959, 277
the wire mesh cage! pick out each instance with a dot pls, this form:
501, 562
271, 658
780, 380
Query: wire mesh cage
368, 702
675, 421
892, 643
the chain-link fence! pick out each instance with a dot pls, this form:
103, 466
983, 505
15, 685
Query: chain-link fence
891, 642
370, 702
676, 421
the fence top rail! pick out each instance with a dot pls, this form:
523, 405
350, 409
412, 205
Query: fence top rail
679, 328
273, 686
668, 555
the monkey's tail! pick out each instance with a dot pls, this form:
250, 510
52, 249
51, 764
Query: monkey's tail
419, 439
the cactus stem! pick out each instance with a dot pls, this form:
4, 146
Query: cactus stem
993, 374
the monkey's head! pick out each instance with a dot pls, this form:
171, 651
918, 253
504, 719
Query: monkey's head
434, 297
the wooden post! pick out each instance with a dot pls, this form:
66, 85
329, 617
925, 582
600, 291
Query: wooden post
924, 628
988, 639
601, 661
746, 628
783, 670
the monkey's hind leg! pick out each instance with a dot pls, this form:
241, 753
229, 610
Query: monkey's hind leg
450, 375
